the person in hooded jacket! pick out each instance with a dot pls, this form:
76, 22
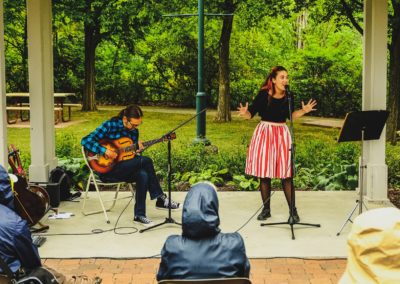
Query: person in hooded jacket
202, 251
16, 247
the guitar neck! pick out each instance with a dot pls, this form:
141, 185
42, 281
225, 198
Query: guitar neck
152, 142
146, 144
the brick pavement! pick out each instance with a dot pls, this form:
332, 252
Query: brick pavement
143, 271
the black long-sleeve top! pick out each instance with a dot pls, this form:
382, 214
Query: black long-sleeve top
276, 111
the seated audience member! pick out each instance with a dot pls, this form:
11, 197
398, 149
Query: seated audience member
374, 248
16, 247
202, 251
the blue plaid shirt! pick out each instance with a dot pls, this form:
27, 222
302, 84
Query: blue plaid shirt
111, 129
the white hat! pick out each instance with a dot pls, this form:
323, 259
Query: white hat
374, 248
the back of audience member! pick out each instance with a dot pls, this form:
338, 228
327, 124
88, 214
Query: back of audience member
16, 247
374, 248
202, 251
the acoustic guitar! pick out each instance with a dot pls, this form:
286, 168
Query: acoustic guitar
31, 201
124, 147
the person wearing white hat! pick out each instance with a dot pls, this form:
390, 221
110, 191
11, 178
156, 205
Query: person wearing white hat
374, 248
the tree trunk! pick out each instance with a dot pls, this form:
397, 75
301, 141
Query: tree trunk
224, 96
394, 81
89, 93
301, 25
25, 69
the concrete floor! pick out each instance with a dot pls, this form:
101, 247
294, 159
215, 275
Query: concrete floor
72, 238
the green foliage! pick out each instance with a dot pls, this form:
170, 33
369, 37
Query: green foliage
66, 145
393, 163
321, 162
245, 183
78, 169
146, 58
211, 173
344, 177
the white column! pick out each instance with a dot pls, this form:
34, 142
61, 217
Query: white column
3, 120
40, 53
374, 96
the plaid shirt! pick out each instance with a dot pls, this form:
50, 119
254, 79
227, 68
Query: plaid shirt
111, 129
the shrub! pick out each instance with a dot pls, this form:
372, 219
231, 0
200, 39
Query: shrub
66, 145
393, 163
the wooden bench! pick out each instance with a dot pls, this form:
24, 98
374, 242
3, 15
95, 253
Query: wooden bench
69, 106
20, 109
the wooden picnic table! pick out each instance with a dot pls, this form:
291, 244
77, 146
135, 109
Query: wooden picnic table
22, 105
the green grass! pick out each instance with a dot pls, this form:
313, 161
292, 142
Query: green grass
226, 136
317, 151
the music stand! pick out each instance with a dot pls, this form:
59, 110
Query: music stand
361, 126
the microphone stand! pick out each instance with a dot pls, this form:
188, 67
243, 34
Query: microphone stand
169, 219
291, 221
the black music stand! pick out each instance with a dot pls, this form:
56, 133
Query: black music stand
362, 126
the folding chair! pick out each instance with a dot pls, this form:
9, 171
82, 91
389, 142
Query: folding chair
235, 280
94, 180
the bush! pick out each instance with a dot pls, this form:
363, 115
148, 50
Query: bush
319, 165
393, 163
66, 145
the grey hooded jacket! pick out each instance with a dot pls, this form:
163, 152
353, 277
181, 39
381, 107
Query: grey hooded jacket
202, 251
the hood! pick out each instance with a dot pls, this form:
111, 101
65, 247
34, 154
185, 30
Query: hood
200, 217
6, 195
373, 247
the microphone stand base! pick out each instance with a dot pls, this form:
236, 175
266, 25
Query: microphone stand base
167, 221
291, 223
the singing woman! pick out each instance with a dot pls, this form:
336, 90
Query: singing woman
268, 155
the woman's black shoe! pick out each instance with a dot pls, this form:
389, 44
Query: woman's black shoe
264, 215
296, 218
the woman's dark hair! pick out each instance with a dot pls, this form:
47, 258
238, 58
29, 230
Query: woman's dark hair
131, 111
268, 84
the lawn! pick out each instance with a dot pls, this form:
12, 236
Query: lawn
157, 121
321, 162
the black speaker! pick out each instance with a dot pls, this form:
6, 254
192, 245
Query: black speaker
53, 189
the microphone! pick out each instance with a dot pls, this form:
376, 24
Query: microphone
287, 90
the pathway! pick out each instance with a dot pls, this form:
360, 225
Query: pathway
143, 271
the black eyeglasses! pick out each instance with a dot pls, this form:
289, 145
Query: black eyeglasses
133, 125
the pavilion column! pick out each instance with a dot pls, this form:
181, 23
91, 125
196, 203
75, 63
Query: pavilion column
374, 96
40, 61
3, 120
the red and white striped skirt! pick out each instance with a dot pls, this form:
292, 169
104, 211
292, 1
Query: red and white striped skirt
268, 155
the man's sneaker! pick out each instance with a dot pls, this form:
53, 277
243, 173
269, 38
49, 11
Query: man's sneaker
142, 220
162, 203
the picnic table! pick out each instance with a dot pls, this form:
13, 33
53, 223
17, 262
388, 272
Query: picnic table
19, 105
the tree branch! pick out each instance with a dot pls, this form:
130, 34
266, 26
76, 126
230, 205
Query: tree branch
349, 14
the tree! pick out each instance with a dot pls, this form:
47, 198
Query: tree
394, 60
224, 94
16, 47
101, 21
394, 73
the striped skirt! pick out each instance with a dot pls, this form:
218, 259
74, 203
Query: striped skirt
268, 155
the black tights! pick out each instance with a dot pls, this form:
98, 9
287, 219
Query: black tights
265, 188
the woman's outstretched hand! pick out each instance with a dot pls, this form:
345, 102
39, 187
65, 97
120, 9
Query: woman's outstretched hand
243, 110
309, 106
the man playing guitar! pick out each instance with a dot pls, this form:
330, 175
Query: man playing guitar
132, 167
